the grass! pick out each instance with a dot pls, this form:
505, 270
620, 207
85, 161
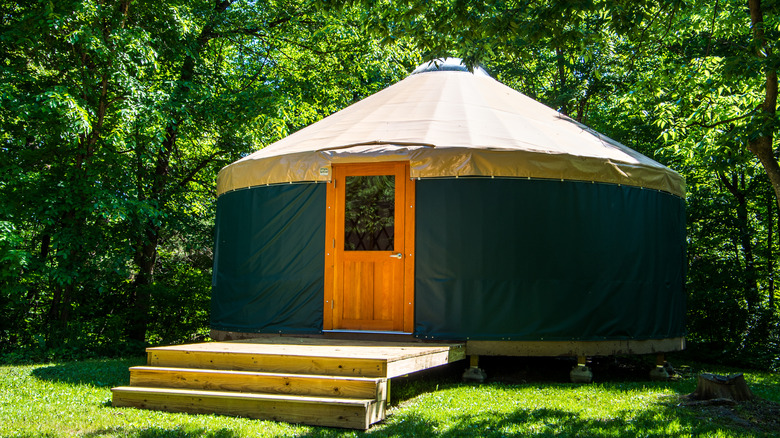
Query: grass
525, 397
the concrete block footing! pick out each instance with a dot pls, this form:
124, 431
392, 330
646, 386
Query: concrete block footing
659, 374
581, 374
474, 375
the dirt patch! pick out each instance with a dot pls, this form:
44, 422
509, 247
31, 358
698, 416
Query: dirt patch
757, 414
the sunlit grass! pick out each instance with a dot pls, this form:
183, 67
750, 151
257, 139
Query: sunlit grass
592, 410
73, 399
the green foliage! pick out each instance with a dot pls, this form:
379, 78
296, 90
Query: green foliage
691, 84
114, 121
181, 297
704, 90
116, 118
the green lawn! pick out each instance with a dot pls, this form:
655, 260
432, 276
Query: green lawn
522, 399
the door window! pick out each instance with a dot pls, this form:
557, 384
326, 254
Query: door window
369, 213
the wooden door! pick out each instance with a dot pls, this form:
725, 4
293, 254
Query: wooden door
369, 260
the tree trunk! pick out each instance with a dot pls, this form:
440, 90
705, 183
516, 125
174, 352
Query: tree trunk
739, 191
145, 259
761, 146
714, 386
770, 222
149, 239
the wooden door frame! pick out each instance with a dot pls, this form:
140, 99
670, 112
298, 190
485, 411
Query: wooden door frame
332, 207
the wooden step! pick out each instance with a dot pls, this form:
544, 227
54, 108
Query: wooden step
269, 383
272, 363
323, 382
319, 411
308, 356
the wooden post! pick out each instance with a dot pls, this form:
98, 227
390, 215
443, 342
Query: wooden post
388, 394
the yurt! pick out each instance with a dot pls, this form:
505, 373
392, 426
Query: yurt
449, 206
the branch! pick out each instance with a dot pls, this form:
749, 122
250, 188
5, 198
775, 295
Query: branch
270, 25
266, 37
250, 82
721, 122
712, 27
731, 188
650, 24
189, 178
669, 25
307, 47
763, 50
642, 39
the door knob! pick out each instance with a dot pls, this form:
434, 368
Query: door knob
397, 255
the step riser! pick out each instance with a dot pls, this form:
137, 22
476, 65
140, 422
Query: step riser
319, 414
269, 363
296, 385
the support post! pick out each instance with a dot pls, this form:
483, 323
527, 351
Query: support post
660, 372
474, 373
388, 394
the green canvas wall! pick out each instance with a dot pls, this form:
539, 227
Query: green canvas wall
503, 259
520, 259
268, 259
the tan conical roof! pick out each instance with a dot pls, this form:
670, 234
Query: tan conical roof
450, 123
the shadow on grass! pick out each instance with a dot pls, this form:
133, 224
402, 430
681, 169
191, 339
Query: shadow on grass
161, 432
511, 371
660, 419
523, 370
668, 421
669, 416
422, 382
100, 373
35, 435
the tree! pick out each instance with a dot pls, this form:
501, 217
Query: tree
691, 84
115, 122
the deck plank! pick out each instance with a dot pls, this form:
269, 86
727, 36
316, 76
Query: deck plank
315, 347
309, 356
408, 365
268, 383
340, 366
320, 411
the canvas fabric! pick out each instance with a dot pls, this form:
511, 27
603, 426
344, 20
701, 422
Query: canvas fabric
451, 124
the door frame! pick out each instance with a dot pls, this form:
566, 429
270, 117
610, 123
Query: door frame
334, 196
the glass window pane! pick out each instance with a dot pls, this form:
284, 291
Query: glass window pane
369, 215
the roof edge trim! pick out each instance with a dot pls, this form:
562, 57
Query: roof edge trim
427, 162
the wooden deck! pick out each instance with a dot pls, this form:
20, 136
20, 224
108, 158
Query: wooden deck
327, 382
